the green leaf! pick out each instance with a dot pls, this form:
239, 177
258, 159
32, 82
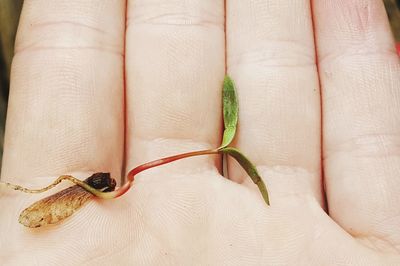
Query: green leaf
230, 109
250, 169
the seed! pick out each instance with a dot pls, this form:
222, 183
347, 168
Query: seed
63, 204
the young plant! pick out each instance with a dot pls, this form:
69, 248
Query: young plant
63, 204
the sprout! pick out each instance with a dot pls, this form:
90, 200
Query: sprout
63, 204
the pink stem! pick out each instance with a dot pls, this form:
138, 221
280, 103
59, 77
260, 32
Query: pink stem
131, 175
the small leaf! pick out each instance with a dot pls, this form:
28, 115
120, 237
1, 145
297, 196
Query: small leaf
250, 169
230, 109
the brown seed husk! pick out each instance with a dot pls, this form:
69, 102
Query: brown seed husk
54, 208
63, 204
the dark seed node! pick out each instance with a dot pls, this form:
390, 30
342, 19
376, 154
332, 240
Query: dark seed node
101, 181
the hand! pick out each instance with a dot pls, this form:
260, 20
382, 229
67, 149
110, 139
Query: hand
67, 109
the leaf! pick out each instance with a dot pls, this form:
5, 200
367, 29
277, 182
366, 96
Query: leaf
250, 169
230, 110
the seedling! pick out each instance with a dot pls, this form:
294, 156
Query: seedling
63, 204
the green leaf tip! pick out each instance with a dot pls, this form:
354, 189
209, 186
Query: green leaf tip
250, 169
230, 110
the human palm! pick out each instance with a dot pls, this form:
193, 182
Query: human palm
75, 78
189, 219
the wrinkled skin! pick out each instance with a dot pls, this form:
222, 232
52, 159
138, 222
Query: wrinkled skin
333, 202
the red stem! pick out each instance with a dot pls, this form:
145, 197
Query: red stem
145, 166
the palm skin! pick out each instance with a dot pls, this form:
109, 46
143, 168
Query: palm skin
191, 219
195, 225
157, 84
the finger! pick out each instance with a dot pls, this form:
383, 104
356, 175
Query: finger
271, 58
175, 69
65, 111
360, 78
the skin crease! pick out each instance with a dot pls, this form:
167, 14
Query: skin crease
303, 70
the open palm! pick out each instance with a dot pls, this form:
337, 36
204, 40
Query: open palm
86, 97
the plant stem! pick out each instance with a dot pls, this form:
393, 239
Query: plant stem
131, 175
166, 160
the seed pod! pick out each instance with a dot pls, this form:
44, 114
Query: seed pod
63, 204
